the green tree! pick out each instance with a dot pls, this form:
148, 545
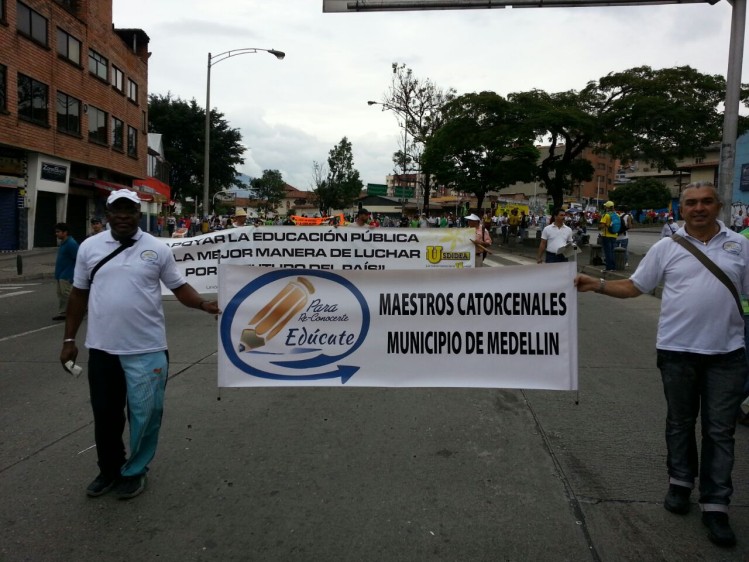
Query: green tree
658, 116
270, 188
482, 146
342, 184
642, 193
182, 125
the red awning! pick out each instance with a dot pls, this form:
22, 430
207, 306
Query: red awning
108, 186
154, 186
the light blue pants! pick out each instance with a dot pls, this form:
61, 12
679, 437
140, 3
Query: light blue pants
145, 376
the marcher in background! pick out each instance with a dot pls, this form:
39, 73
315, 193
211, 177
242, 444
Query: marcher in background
523, 226
482, 239
118, 278
622, 238
608, 238
159, 225
670, 228
700, 348
240, 217
96, 227
553, 238
504, 227
361, 220
171, 224
738, 221
64, 266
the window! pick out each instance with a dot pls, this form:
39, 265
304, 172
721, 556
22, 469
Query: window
132, 141
31, 23
69, 5
3, 87
68, 113
32, 99
68, 46
97, 125
132, 91
97, 64
118, 79
118, 132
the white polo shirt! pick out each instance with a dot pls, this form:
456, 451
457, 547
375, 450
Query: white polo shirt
698, 312
556, 238
125, 313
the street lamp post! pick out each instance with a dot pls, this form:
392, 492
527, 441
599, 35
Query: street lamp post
215, 59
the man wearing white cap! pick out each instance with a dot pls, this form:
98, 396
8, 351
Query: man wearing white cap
482, 240
670, 228
118, 278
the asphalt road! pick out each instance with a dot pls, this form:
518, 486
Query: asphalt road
352, 474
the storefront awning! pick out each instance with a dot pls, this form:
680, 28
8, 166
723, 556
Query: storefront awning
111, 186
154, 187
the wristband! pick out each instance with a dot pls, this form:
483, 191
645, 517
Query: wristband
601, 285
66, 340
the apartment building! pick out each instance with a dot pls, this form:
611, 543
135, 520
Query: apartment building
73, 116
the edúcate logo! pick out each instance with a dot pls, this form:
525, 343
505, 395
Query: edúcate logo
295, 324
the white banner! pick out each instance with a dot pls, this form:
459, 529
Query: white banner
317, 247
510, 327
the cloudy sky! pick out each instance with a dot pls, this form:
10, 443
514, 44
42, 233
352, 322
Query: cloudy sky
292, 112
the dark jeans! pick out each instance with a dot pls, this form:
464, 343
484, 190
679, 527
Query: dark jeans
713, 384
608, 244
108, 391
555, 258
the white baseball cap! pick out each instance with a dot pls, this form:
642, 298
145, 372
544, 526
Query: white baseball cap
473, 217
123, 194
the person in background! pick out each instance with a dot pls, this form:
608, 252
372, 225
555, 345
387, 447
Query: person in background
240, 218
64, 266
482, 239
622, 239
118, 277
361, 220
608, 238
96, 227
700, 351
670, 228
553, 238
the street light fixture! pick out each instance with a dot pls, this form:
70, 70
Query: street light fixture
215, 59
387, 106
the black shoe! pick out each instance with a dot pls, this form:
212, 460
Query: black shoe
720, 531
130, 486
101, 485
677, 499
59, 317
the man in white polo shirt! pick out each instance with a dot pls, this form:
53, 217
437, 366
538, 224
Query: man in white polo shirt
700, 347
117, 279
554, 237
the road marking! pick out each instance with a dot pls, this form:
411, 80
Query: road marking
14, 294
29, 332
17, 285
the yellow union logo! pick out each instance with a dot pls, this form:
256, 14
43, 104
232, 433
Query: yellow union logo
436, 254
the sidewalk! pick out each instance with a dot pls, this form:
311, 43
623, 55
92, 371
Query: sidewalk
29, 265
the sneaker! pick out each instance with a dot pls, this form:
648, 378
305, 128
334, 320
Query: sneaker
100, 486
719, 531
59, 317
677, 499
129, 487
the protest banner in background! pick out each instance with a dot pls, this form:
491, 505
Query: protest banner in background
326, 248
513, 327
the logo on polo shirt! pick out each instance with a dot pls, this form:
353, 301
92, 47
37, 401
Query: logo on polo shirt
732, 247
149, 256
